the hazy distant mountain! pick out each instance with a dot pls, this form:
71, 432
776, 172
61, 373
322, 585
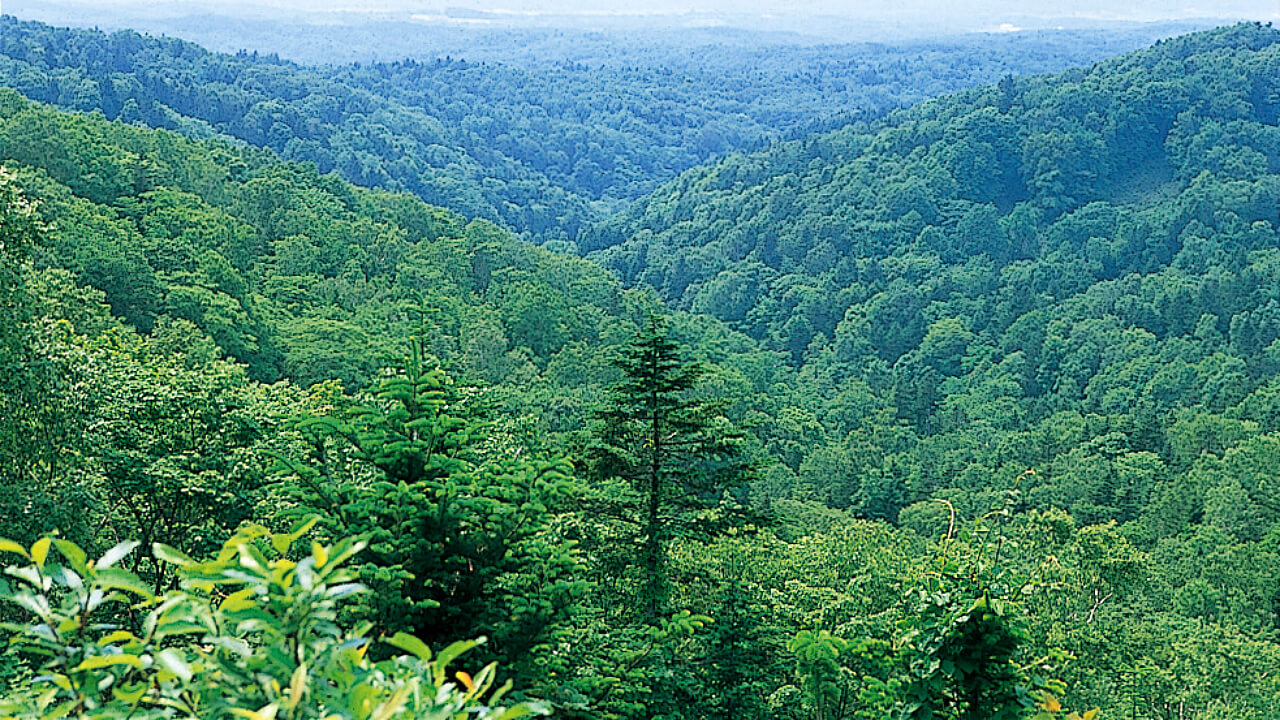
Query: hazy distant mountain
812, 20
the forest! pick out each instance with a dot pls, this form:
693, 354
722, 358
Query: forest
542, 150
963, 409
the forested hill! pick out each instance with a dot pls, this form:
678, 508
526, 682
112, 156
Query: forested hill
1093, 254
292, 273
233, 254
541, 150
1098, 174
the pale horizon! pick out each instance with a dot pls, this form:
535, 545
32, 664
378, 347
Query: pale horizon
964, 16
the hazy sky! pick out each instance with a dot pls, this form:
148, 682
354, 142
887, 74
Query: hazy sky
886, 9
1133, 9
858, 19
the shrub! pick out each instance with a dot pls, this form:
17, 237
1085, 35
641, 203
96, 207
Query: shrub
250, 634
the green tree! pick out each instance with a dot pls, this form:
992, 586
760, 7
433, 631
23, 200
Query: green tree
459, 515
19, 232
675, 450
38, 401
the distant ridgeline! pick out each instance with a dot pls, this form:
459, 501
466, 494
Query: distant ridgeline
541, 151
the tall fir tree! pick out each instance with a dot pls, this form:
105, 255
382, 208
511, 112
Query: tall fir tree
677, 451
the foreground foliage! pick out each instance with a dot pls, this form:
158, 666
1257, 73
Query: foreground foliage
249, 633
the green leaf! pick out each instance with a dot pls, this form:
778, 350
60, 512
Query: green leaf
266, 713
72, 552
412, 645
62, 710
116, 554
13, 547
115, 637
239, 600
282, 541
40, 550
297, 685
97, 662
131, 693
171, 555
393, 704
117, 579
179, 626
451, 653
172, 660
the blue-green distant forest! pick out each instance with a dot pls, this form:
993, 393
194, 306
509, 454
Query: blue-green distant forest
794, 396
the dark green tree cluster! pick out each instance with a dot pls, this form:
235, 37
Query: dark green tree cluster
459, 515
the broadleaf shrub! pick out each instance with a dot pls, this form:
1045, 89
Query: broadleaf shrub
250, 633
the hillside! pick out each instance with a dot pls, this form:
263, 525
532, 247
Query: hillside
991, 259
290, 272
541, 150
1074, 274
971, 411
1019, 175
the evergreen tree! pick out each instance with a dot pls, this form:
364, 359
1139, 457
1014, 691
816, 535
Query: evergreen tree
458, 515
676, 450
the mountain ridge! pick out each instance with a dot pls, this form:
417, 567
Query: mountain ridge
543, 151
925, 166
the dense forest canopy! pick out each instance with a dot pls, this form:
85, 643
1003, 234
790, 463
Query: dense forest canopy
1083, 178
543, 150
994, 259
969, 411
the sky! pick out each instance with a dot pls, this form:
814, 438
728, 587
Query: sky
1127, 9
1141, 10
856, 20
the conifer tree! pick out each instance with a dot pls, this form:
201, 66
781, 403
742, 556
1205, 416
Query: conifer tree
457, 514
677, 451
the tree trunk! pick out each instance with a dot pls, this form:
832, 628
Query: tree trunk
653, 541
